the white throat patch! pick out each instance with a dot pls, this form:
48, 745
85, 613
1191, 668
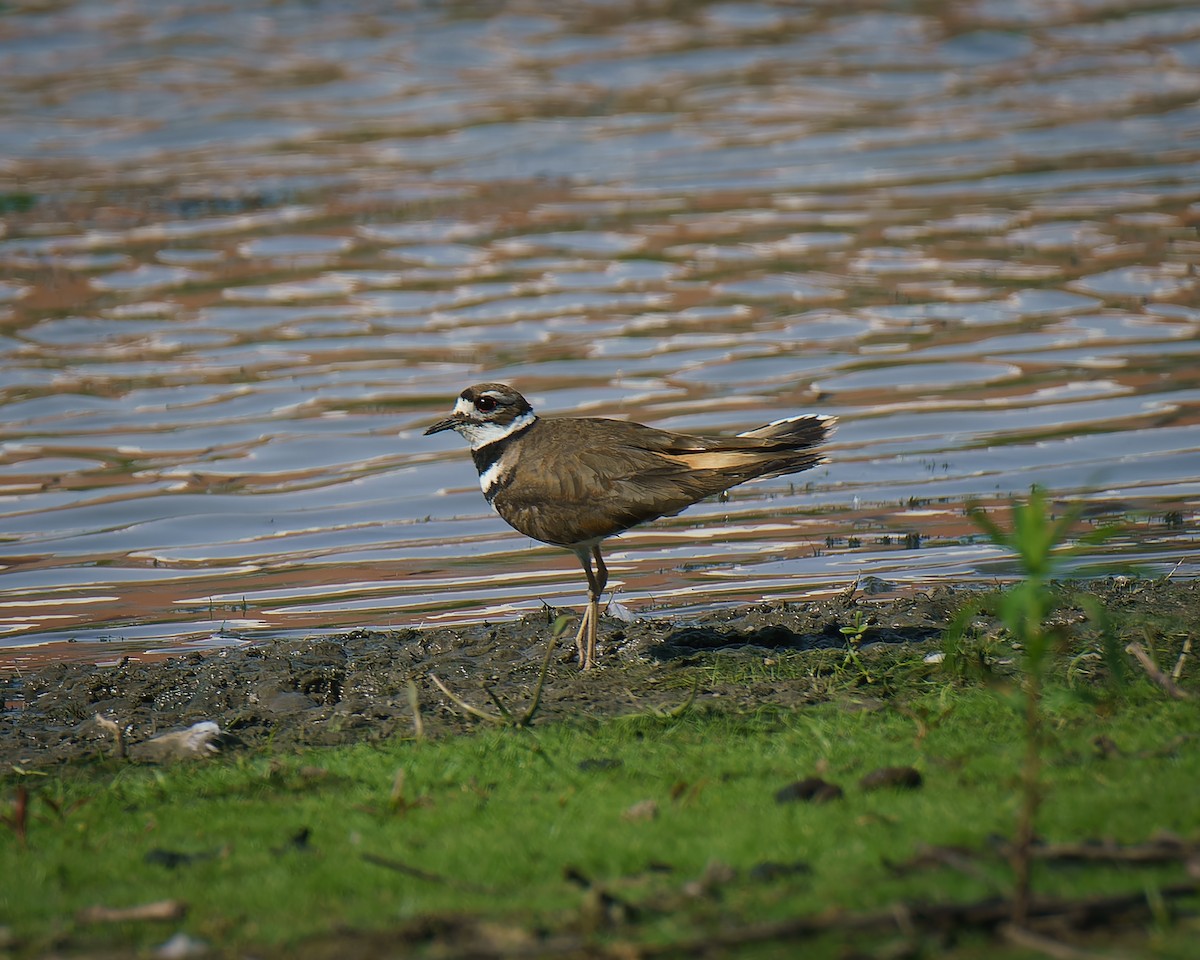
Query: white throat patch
480, 435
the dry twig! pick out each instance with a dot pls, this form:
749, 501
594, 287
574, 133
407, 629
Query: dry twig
1056, 949
1162, 850
399, 866
158, 910
463, 705
1183, 655
1164, 680
505, 717
414, 703
964, 861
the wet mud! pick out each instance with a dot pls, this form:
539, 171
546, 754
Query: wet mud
363, 685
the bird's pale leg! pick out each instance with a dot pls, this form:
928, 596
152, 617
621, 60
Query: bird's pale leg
580, 644
585, 639
585, 624
595, 589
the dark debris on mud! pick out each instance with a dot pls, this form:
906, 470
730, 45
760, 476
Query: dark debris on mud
358, 686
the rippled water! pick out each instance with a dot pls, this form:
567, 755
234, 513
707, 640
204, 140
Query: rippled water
251, 250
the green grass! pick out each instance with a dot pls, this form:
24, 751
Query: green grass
499, 816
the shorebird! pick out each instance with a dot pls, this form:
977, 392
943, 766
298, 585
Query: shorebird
575, 481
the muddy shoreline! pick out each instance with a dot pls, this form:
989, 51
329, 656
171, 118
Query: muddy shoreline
360, 686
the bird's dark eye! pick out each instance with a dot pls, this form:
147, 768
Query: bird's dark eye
486, 404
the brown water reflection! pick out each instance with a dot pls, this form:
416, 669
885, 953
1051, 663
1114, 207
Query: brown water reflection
246, 245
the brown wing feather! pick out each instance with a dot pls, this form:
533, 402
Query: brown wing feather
599, 477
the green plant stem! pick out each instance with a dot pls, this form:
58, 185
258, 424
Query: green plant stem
1031, 796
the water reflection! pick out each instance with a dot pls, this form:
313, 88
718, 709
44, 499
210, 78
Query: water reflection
249, 253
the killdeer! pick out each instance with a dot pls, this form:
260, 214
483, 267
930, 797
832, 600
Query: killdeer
575, 481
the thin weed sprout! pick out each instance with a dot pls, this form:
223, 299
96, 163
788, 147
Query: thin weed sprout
1038, 538
854, 634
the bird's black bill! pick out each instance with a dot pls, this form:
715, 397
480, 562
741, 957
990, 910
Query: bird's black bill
448, 424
